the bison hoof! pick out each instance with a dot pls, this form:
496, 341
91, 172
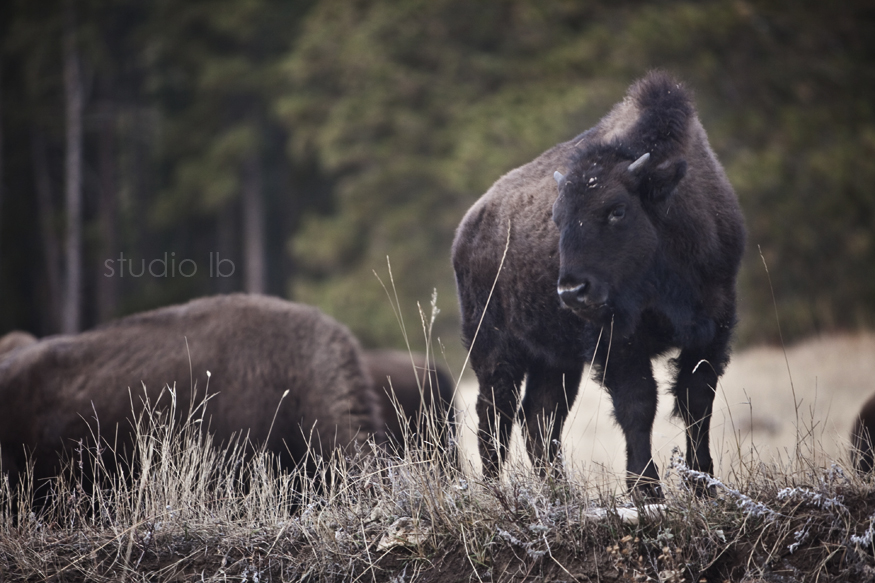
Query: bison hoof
645, 489
550, 471
700, 486
491, 472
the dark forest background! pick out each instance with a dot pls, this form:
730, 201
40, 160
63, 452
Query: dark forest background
304, 142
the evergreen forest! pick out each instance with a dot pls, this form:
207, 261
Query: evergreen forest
154, 152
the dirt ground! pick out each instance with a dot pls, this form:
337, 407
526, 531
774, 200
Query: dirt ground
755, 407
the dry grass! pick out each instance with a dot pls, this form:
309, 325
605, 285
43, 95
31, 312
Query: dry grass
187, 509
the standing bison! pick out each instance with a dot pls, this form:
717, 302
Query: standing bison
416, 398
255, 347
637, 255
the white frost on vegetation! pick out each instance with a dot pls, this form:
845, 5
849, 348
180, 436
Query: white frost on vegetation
745, 503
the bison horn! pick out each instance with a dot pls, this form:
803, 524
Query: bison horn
558, 177
639, 162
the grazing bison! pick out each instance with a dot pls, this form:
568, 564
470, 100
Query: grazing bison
638, 254
862, 451
255, 347
13, 341
424, 396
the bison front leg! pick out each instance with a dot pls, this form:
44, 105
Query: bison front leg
628, 376
497, 404
694, 398
698, 370
550, 393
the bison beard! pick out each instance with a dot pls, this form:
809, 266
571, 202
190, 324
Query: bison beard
256, 349
637, 255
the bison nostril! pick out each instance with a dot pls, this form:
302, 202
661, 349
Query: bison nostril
589, 293
573, 296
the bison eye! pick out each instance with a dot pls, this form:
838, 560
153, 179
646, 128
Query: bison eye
617, 214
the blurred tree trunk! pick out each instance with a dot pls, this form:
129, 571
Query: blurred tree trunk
46, 209
1, 165
225, 273
73, 94
107, 287
253, 225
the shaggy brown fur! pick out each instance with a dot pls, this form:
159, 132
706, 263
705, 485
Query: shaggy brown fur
627, 262
862, 450
413, 383
255, 347
14, 340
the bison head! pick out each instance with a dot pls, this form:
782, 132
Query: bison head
609, 238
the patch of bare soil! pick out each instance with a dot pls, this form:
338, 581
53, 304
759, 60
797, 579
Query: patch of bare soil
504, 564
646, 552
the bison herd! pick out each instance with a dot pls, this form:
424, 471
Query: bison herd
609, 249
284, 374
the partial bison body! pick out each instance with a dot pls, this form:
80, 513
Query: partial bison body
424, 395
636, 253
255, 348
13, 341
862, 450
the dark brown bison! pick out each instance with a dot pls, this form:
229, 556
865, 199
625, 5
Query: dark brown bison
635, 254
13, 341
862, 450
255, 347
423, 393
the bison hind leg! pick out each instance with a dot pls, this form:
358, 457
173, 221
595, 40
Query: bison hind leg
550, 393
497, 404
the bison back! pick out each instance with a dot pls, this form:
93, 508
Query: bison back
13, 341
256, 348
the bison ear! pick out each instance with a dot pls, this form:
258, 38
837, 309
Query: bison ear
658, 183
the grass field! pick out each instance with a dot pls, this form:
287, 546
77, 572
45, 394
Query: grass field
786, 505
